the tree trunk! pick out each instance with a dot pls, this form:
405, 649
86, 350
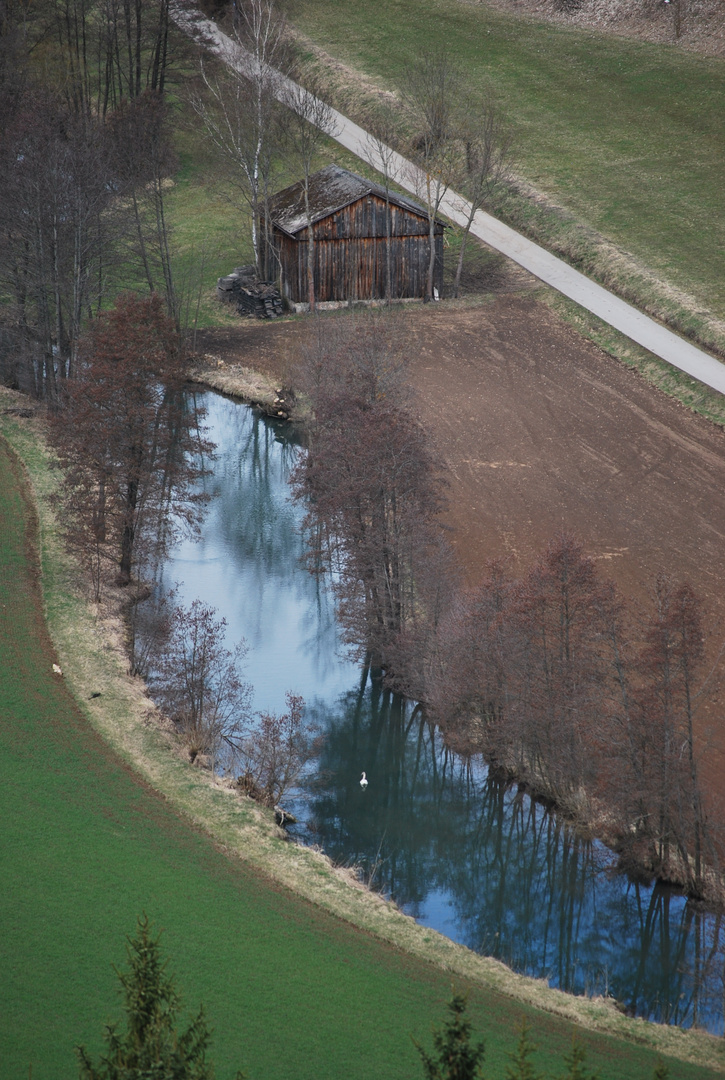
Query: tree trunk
432, 242
128, 534
310, 248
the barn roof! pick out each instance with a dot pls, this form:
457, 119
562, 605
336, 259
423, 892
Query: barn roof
331, 189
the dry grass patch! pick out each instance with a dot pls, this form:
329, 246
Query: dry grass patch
234, 380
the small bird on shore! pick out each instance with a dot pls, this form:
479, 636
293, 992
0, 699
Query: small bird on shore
363, 781
56, 670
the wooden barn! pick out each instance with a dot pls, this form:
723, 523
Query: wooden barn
348, 216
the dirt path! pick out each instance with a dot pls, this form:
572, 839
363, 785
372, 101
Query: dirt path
542, 431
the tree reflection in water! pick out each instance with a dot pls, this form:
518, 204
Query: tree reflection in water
484, 863
247, 562
457, 849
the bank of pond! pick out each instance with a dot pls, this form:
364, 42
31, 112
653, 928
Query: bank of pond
455, 847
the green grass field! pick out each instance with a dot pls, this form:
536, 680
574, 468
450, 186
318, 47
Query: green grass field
290, 990
626, 136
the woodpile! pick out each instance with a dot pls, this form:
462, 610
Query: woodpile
284, 404
250, 295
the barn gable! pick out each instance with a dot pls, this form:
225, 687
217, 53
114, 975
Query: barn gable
349, 218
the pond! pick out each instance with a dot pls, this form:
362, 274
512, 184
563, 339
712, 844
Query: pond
463, 854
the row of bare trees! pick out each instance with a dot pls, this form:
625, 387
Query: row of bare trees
96, 53
128, 441
370, 482
85, 153
455, 140
556, 678
131, 447
561, 682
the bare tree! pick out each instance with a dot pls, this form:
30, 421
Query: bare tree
671, 690
374, 496
110, 50
239, 109
276, 751
143, 159
469, 695
432, 93
309, 123
486, 165
556, 677
148, 624
199, 684
126, 437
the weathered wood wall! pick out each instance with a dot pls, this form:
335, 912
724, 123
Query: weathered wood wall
350, 254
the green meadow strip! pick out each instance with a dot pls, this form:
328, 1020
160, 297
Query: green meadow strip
302, 972
623, 140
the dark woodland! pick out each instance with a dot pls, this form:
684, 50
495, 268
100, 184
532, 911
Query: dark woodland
85, 152
128, 441
560, 682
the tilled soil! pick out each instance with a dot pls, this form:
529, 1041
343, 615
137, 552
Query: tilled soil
541, 431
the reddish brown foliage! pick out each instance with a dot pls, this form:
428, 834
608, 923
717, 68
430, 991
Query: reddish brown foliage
371, 482
124, 438
553, 679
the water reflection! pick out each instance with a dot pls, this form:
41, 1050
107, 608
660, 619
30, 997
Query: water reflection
247, 563
456, 849
481, 861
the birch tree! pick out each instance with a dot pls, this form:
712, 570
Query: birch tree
239, 109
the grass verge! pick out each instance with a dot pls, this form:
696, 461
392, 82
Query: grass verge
670, 380
302, 972
620, 141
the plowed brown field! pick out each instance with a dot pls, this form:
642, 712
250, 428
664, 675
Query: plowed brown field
541, 431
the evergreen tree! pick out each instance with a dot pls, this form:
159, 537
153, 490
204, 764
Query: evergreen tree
521, 1068
455, 1057
575, 1062
150, 1048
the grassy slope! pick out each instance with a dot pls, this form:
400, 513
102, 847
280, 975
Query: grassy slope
88, 846
627, 135
291, 990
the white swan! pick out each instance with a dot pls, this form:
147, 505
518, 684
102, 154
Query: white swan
363, 781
